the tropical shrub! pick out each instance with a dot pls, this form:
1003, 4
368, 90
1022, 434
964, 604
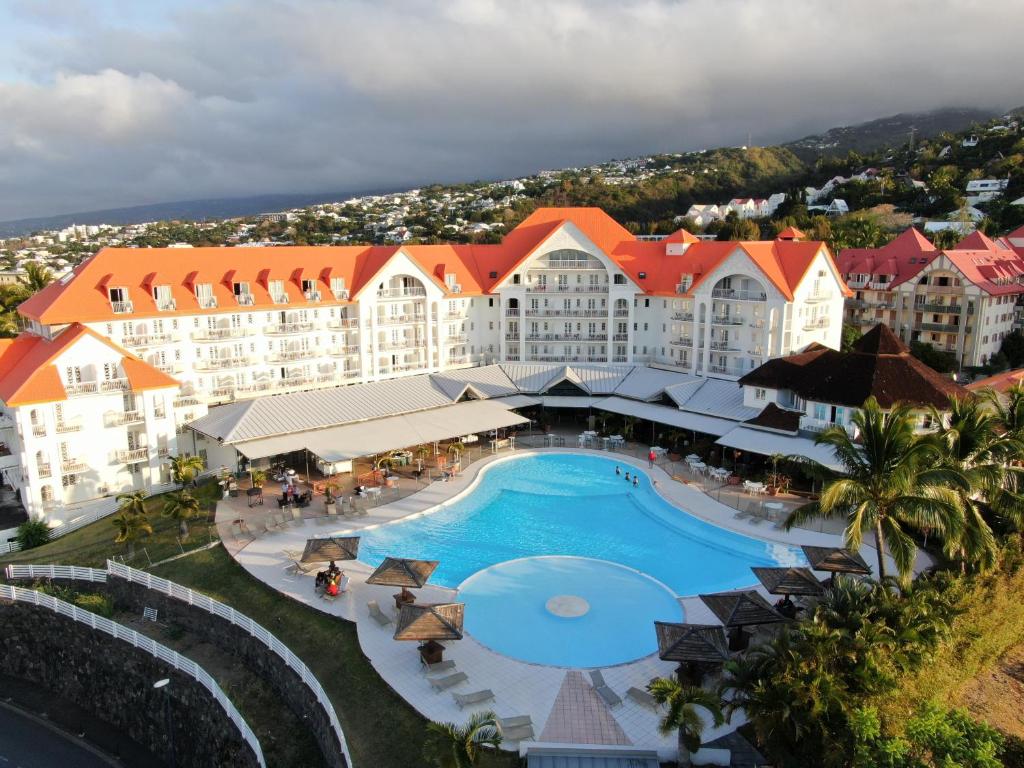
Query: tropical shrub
33, 533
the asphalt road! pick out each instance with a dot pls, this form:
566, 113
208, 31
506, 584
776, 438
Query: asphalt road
27, 743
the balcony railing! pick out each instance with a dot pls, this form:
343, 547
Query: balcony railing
279, 298
943, 289
44, 470
145, 340
568, 313
73, 466
727, 320
341, 295
944, 327
684, 316
730, 294
342, 351
620, 313
724, 346
166, 305
815, 298
285, 355
220, 363
401, 293
387, 346
816, 323
132, 455
207, 302
567, 336
245, 299
313, 296
620, 337
71, 425
457, 339
124, 418
940, 308
682, 287
569, 358
39, 430
343, 324
875, 285
122, 307
401, 319
114, 385
726, 370
555, 288
283, 329
681, 342
509, 312
81, 388
566, 264
185, 401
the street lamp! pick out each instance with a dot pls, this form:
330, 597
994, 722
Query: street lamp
158, 685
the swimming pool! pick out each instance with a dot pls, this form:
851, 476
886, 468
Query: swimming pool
573, 505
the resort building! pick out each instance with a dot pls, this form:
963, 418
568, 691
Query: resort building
172, 332
960, 300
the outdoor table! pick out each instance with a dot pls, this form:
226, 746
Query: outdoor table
658, 451
693, 457
774, 507
698, 466
374, 492
255, 496
431, 652
604, 443
720, 473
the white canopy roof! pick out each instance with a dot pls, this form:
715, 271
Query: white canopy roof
768, 443
365, 438
663, 414
569, 401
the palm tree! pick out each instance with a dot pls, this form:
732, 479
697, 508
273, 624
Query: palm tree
132, 503
182, 506
36, 277
1009, 409
459, 746
889, 485
682, 715
130, 528
971, 444
185, 468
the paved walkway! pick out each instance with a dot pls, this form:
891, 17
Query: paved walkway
520, 688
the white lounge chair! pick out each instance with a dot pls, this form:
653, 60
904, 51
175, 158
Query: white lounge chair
643, 698
378, 615
611, 698
476, 697
444, 683
440, 666
518, 728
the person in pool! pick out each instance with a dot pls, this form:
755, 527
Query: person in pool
627, 477
636, 481
617, 470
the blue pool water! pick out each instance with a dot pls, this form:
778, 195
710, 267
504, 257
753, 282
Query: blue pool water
571, 505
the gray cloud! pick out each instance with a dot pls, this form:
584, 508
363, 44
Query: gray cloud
306, 95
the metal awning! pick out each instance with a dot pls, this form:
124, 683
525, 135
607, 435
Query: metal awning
769, 443
366, 438
663, 414
516, 401
569, 401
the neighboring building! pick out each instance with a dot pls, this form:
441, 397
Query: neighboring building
216, 325
804, 394
985, 190
961, 300
1001, 382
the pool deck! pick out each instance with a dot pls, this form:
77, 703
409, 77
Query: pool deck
553, 697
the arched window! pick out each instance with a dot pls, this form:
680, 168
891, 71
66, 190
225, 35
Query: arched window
46, 493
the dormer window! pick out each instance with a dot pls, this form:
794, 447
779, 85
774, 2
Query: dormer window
619, 279
163, 298
277, 292
338, 288
242, 294
205, 297
119, 301
450, 281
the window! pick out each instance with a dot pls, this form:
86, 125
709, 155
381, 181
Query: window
759, 393
204, 295
619, 280
163, 298
276, 290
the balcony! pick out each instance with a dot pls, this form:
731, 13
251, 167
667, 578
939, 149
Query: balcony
73, 466
341, 294
566, 264
944, 327
279, 298
457, 339
588, 288
287, 355
946, 290
512, 336
122, 307
684, 316
724, 346
44, 470
401, 319
245, 299
726, 370
219, 334
163, 452
567, 337
124, 418
186, 401
39, 430
114, 385
731, 295
940, 308
682, 287
65, 427
815, 324
169, 368
817, 426
458, 360
454, 316
512, 312
757, 323
132, 455
620, 337
875, 285
294, 381
146, 340
684, 342
311, 296
569, 313
207, 302
620, 313
389, 346
166, 305
222, 363
342, 351
284, 329
401, 293
569, 358
727, 320
343, 324
81, 388
816, 298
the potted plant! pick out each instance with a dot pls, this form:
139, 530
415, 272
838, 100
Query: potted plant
259, 477
776, 482
329, 502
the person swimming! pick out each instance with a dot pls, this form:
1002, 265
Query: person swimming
617, 470
627, 477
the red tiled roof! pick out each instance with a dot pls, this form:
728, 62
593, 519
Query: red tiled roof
893, 258
1001, 382
791, 233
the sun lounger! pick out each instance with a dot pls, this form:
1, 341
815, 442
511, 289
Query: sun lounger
517, 728
515, 722
440, 666
476, 697
643, 698
611, 698
444, 683
377, 614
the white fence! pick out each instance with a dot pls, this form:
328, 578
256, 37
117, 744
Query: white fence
54, 572
210, 605
141, 642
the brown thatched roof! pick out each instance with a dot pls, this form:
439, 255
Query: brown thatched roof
836, 559
741, 609
430, 621
789, 581
691, 642
331, 548
402, 572
879, 365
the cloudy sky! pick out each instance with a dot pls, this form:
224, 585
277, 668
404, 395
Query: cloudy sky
108, 103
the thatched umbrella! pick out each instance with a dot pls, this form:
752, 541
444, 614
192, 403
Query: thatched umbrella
429, 623
741, 609
405, 573
789, 581
331, 548
694, 646
836, 560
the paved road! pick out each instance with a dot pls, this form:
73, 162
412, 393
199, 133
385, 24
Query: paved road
26, 743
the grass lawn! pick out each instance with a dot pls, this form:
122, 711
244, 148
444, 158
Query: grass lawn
92, 545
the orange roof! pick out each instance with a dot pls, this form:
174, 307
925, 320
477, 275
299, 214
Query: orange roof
1001, 382
791, 233
28, 375
477, 268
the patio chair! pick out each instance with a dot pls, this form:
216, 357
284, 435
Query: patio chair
298, 567
377, 614
643, 698
517, 728
439, 666
611, 698
476, 697
444, 683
